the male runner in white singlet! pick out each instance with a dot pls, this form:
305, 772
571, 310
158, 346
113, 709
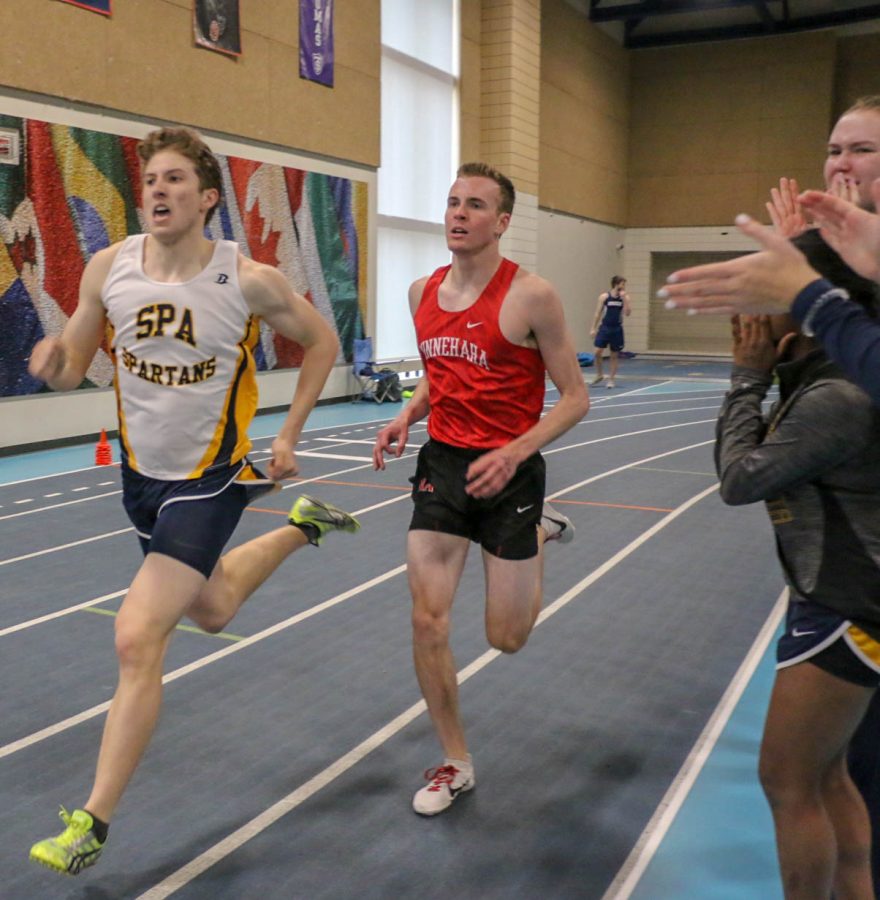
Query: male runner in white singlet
182, 313
487, 330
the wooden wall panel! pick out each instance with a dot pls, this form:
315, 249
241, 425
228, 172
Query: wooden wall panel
584, 115
715, 125
143, 62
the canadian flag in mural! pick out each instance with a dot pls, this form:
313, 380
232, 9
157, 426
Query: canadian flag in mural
72, 192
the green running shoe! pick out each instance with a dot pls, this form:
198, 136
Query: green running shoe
324, 516
75, 849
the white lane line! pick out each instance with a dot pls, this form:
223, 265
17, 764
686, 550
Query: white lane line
85, 715
30, 512
77, 490
649, 840
270, 437
88, 540
629, 404
631, 392
362, 459
72, 609
677, 471
61, 612
410, 453
30, 623
320, 454
52, 475
640, 415
631, 465
58, 493
614, 437
328, 475
20, 502
260, 823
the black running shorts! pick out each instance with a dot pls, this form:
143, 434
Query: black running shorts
504, 525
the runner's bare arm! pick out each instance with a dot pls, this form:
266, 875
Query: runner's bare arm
62, 362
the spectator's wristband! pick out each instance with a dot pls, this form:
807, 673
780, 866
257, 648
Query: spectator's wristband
811, 299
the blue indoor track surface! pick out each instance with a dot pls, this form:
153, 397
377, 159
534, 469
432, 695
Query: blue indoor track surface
615, 754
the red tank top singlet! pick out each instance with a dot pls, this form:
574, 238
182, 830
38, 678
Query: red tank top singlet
484, 390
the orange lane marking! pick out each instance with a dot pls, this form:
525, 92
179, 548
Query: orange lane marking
613, 505
275, 512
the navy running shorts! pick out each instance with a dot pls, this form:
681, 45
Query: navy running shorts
504, 525
828, 640
191, 520
609, 336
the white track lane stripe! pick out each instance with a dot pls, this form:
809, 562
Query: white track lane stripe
61, 612
649, 841
88, 540
115, 493
614, 437
368, 465
630, 404
96, 600
56, 475
70, 722
644, 415
90, 713
46, 618
30, 512
320, 454
266, 437
625, 466
260, 823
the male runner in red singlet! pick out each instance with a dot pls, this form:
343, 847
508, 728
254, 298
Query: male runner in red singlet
487, 330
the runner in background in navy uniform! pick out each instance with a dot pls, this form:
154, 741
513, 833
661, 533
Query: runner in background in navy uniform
183, 316
487, 330
607, 327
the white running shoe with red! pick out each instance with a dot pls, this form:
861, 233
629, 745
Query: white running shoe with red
445, 783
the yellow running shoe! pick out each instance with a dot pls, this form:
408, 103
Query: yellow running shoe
323, 516
75, 849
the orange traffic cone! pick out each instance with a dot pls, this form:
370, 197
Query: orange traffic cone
103, 451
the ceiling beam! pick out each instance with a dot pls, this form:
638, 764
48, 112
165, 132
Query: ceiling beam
661, 8
803, 23
764, 12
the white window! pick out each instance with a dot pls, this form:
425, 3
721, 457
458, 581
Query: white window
419, 157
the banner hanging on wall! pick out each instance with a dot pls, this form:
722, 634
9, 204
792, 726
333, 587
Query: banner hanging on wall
98, 6
216, 25
316, 41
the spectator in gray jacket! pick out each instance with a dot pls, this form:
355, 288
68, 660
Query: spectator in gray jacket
815, 461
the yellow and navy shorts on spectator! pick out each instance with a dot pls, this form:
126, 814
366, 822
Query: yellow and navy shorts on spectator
504, 525
191, 520
835, 644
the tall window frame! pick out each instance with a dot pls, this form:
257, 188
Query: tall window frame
420, 74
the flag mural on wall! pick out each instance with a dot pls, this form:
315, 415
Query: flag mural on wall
76, 191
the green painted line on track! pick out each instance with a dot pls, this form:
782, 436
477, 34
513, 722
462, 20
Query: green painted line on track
225, 635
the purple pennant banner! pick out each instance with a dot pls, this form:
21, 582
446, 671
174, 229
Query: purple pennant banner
316, 41
98, 6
